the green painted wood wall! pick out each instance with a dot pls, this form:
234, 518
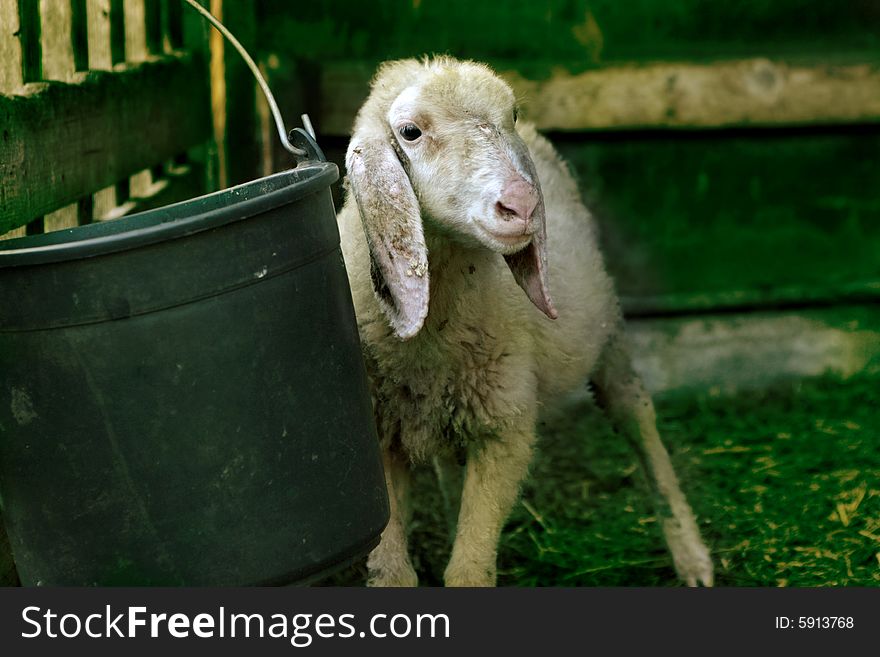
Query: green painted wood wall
709, 218
578, 33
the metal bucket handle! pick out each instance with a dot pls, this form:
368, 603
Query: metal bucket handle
299, 143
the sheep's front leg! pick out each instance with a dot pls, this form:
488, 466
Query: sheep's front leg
620, 391
494, 472
389, 563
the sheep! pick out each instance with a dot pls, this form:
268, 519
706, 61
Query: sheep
458, 222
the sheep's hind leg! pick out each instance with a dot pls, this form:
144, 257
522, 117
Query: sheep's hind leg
389, 563
620, 391
493, 474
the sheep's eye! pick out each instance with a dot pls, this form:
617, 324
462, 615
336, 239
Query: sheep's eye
515, 114
410, 132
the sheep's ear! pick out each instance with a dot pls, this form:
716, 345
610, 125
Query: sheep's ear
529, 266
393, 225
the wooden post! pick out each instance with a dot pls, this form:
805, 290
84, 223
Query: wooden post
11, 77
12, 234
267, 129
135, 31
141, 184
11, 81
218, 93
100, 44
236, 129
98, 16
56, 39
195, 33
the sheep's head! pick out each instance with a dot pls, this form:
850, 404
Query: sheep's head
436, 141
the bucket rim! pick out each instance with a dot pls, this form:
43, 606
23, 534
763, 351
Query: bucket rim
172, 221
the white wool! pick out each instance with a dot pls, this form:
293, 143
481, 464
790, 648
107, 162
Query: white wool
486, 361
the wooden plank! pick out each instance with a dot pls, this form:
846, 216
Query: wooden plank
103, 203
745, 92
137, 50
142, 184
236, 129
142, 38
726, 353
12, 234
59, 63
11, 78
267, 128
541, 34
752, 92
100, 45
135, 31
180, 183
66, 217
746, 300
216, 48
70, 140
56, 38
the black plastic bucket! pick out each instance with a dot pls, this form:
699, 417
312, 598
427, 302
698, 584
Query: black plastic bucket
183, 399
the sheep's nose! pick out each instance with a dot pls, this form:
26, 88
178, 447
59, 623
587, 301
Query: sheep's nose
518, 199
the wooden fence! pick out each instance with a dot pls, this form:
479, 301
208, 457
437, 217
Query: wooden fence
107, 106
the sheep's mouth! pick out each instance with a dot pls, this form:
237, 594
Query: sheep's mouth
505, 242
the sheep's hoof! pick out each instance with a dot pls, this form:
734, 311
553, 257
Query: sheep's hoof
469, 575
689, 554
401, 577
